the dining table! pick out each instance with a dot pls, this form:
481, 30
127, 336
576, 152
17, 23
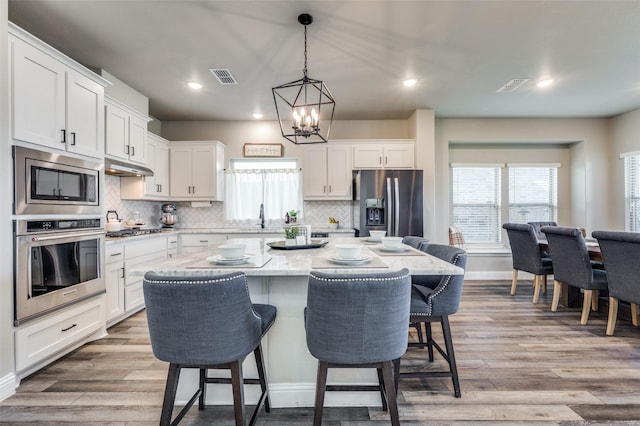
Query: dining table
570, 296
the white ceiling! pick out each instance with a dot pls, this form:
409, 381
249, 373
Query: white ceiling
461, 52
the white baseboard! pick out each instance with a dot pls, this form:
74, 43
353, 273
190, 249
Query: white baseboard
8, 385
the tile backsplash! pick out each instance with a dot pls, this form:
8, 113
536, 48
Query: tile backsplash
316, 213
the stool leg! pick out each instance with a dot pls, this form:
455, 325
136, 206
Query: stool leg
262, 375
321, 385
396, 373
382, 391
169, 394
427, 326
237, 383
387, 372
448, 341
203, 387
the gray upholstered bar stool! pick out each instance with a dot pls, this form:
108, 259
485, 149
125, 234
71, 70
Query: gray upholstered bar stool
572, 266
206, 322
358, 321
620, 255
418, 243
527, 256
433, 299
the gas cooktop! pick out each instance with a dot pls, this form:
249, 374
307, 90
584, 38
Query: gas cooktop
132, 232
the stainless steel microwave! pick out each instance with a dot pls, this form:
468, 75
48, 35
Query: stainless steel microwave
49, 183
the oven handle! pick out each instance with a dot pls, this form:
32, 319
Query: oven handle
75, 234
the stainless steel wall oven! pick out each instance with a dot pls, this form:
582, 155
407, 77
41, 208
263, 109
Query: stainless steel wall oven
48, 183
57, 262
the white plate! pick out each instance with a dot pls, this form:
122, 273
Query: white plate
393, 249
224, 261
373, 240
341, 261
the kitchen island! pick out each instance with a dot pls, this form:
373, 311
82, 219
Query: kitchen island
279, 277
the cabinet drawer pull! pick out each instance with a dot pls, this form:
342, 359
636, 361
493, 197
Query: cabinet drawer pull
64, 136
122, 272
116, 254
133, 151
127, 146
69, 328
73, 138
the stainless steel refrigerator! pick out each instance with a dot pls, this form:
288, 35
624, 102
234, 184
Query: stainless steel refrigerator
389, 200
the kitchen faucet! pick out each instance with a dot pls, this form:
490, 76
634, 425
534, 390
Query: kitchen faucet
262, 216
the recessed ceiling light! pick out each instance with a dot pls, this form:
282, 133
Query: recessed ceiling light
545, 83
409, 82
257, 116
195, 85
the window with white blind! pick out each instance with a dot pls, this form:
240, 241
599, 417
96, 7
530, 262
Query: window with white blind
632, 192
533, 193
276, 184
476, 201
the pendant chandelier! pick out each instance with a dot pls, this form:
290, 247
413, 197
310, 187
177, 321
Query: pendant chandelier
304, 107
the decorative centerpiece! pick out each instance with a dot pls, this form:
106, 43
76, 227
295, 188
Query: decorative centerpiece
293, 216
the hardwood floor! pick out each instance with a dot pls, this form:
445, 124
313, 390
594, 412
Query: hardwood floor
518, 363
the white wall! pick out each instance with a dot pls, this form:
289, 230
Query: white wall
625, 137
7, 379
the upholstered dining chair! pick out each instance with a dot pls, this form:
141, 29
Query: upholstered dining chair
433, 299
572, 266
620, 255
418, 243
456, 237
537, 226
358, 321
527, 257
206, 322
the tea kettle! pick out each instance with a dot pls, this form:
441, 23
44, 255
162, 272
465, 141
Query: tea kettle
113, 221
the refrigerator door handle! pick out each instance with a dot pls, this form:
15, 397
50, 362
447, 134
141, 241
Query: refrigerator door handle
396, 204
388, 207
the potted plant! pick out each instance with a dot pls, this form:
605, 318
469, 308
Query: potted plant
293, 216
333, 223
290, 235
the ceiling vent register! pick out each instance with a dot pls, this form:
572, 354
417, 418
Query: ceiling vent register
223, 75
512, 85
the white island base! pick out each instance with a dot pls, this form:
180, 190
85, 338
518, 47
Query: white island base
282, 282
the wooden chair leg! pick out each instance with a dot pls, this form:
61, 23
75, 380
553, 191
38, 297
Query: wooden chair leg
169, 394
544, 284
396, 373
387, 372
635, 314
613, 315
321, 385
237, 384
557, 289
448, 342
586, 306
594, 300
536, 288
514, 281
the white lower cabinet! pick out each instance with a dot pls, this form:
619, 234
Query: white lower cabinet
137, 253
50, 336
194, 243
114, 277
172, 246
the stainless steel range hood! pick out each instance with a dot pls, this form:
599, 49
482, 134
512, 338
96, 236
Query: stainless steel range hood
123, 169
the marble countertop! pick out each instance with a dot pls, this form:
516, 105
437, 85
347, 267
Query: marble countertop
266, 261
177, 231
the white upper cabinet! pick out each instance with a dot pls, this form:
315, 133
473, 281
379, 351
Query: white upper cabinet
196, 170
154, 187
327, 172
126, 132
55, 102
396, 154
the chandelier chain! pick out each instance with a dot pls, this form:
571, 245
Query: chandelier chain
304, 71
